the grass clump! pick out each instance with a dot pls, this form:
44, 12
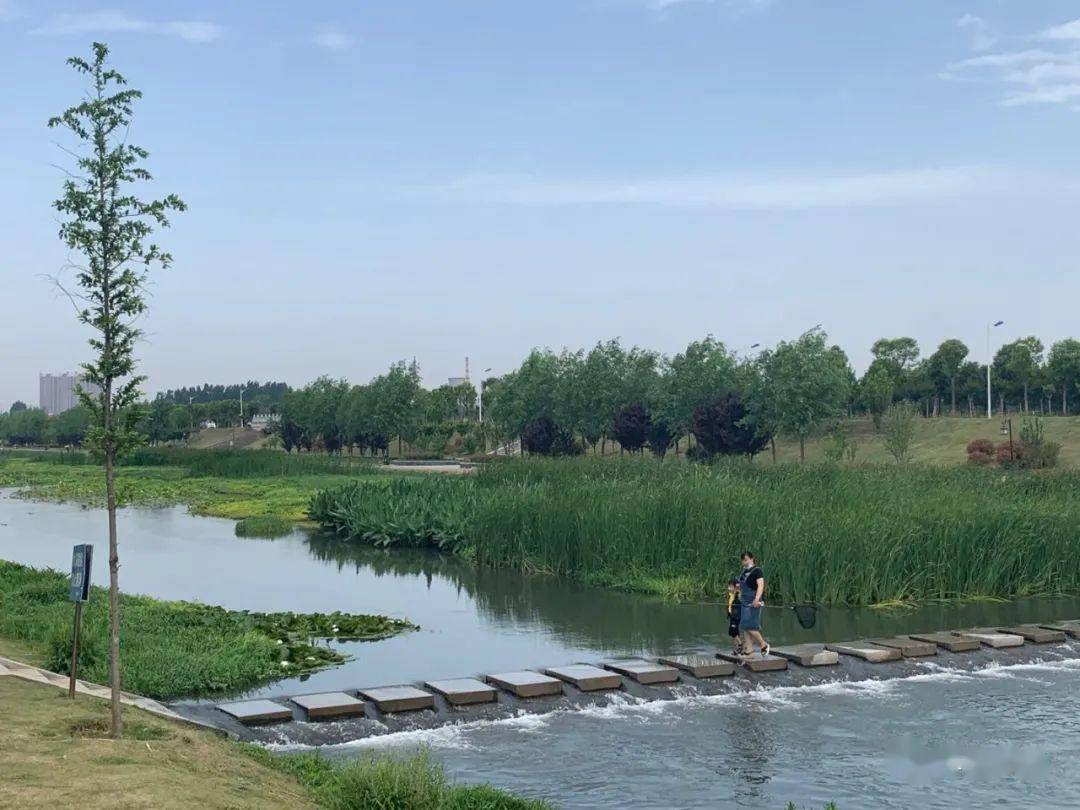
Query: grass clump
174, 649
417, 783
857, 535
266, 527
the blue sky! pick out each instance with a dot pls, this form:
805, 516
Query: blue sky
372, 181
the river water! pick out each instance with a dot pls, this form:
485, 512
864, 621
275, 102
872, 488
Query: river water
938, 736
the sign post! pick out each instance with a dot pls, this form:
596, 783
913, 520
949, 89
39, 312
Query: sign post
81, 558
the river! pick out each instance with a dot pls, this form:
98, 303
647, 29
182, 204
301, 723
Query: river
938, 737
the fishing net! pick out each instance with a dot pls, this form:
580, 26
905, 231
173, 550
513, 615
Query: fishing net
806, 614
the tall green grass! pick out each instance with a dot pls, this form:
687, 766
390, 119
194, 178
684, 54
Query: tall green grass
825, 534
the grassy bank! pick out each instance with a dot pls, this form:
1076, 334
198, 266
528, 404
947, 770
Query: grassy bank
56, 753
172, 649
234, 485
831, 535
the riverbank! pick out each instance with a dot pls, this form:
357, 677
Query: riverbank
57, 752
830, 535
171, 649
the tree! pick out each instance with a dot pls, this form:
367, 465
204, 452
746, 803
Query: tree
631, 427
109, 225
660, 437
899, 354
801, 384
703, 371
899, 432
1017, 364
1063, 367
722, 427
16, 406
945, 363
876, 391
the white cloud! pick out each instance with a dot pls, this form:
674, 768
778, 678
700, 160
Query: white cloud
733, 191
333, 38
1049, 74
1066, 31
982, 38
113, 21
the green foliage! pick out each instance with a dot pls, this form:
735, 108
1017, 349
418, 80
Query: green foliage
416, 783
825, 534
876, 391
899, 431
840, 443
264, 526
174, 649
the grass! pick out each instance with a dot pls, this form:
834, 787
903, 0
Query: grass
171, 649
829, 535
265, 526
55, 754
417, 783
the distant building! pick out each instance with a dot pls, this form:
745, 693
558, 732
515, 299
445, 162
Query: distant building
56, 392
264, 421
454, 382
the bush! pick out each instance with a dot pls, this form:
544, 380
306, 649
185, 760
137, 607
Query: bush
980, 451
631, 427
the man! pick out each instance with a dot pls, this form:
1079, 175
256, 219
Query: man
751, 590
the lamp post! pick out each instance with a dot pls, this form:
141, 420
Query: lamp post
989, 362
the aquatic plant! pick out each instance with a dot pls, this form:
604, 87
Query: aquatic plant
264, 526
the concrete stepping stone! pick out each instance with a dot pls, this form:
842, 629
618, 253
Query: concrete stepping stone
392, 699
768, 663
256, 712
700, 666
526, 683
808, 655
1036, 634
992, 638
586, 677
1071, 629
329, 704
866, 651
463, 691
949, 641
645, 672
908, 647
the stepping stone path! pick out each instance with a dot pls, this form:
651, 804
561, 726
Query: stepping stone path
757, 663
329, 704
866, 651
586, 677
992, 638
255, 712
463, 691
808, 655
908, 647
526, 683
1036, 634
949, 641
645, 672
700, 666
1071, 629
391, 699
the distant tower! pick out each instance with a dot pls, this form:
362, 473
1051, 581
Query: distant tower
466, 368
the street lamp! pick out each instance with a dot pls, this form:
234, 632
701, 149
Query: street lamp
989, 362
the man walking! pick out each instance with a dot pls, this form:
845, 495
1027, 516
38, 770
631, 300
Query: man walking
751, 591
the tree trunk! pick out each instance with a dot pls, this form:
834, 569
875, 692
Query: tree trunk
772, 443
953, 386
117, 723
802, 449
1027, 408
1064, 400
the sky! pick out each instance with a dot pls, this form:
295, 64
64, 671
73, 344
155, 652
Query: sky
388, 179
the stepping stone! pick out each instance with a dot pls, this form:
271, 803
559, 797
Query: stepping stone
770, 663
866, 651
700, 666
992, 638
948, 641
586, 677
391, 699
526, 683
645, 672
1036, 634
463, 691
1071, 629
908, 647
330, 704
254, 712
808, 655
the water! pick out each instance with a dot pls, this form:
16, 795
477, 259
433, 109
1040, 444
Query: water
940, 738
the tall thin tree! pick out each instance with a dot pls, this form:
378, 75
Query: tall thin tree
108, 227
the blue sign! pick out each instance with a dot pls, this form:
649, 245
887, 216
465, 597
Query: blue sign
81, 557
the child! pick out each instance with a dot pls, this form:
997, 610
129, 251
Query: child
734, 614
